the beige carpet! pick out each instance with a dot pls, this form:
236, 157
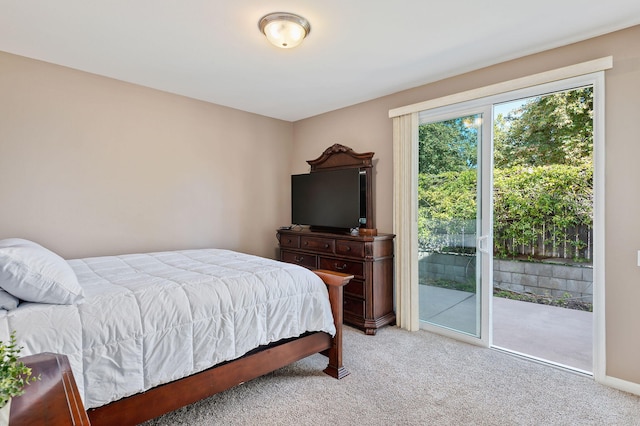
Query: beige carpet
403, 378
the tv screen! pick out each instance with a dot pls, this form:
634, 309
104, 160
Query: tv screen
329, 199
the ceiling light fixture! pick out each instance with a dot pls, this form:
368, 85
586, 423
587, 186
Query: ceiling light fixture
284, 30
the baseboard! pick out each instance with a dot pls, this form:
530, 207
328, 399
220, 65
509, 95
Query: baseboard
620, 384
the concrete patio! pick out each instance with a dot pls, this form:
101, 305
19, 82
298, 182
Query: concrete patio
561, 336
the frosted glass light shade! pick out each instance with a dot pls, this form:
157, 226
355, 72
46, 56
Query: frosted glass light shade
284, 30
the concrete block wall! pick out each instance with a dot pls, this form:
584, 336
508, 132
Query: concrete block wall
439, 266
549, 279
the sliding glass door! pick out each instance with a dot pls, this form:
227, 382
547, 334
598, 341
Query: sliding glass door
454, 222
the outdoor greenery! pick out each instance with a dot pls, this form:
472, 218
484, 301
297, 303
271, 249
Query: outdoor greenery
553, 129
447, 146
566, 301
14, 375
542, 203
543, 181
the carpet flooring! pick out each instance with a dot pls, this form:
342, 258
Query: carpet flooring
414, 378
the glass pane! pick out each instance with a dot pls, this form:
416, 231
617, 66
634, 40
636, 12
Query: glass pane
449, 269
543, 187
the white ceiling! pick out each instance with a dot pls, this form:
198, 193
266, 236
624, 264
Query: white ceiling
357, 49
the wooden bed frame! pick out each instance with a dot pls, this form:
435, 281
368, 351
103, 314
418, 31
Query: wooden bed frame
171, 396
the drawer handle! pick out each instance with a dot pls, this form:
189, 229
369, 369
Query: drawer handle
348, 248
289, 240
306, 243
326, 246
299, 258
340, 268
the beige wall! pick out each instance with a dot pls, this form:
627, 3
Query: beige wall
94, 166
366, 127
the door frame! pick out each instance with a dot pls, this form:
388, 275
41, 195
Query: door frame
597, 81
484, 216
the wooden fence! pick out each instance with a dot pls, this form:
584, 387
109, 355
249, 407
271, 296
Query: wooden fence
568, 243
545, 242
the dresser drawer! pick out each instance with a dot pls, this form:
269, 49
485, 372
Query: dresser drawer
350, 248
368, 297
324, 245
341, 265
354, 306
290, 241
355, 287
306, 260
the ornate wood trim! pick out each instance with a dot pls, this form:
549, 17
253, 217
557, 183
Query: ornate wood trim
341, 157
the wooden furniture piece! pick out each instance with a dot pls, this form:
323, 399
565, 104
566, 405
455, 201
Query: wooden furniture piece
52, 400
171, 396
368, 298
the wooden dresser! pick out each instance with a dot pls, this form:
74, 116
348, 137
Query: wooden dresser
52, 400
368, 298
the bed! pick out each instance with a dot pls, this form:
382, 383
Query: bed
148, 333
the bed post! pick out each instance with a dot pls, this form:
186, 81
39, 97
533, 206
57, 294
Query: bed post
335, 281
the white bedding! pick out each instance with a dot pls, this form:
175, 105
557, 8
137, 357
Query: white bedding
148, 319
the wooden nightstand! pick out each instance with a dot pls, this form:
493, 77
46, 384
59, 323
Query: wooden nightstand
52, 400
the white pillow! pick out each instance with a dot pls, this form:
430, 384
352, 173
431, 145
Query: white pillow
32, 273
7, 301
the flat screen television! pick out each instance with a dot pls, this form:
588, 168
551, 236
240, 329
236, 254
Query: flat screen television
329, 199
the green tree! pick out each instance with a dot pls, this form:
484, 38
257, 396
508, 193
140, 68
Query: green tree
542, 179
500, 134
447, 146
552, 129
446, 206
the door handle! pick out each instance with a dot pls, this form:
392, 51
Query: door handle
483, 244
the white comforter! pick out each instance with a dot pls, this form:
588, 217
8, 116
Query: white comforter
152, 318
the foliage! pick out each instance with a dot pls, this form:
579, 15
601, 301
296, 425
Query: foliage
543, 181
447, 145
565, 301
529, 203
14, 375
446, 206
469, 286
541, 203
552, 129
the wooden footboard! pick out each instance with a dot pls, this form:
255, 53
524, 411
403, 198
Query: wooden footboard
171, 396
335, 282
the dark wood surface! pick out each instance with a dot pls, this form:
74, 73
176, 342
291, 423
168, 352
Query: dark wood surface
368, 297
171, 396
52, 400
335, 282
